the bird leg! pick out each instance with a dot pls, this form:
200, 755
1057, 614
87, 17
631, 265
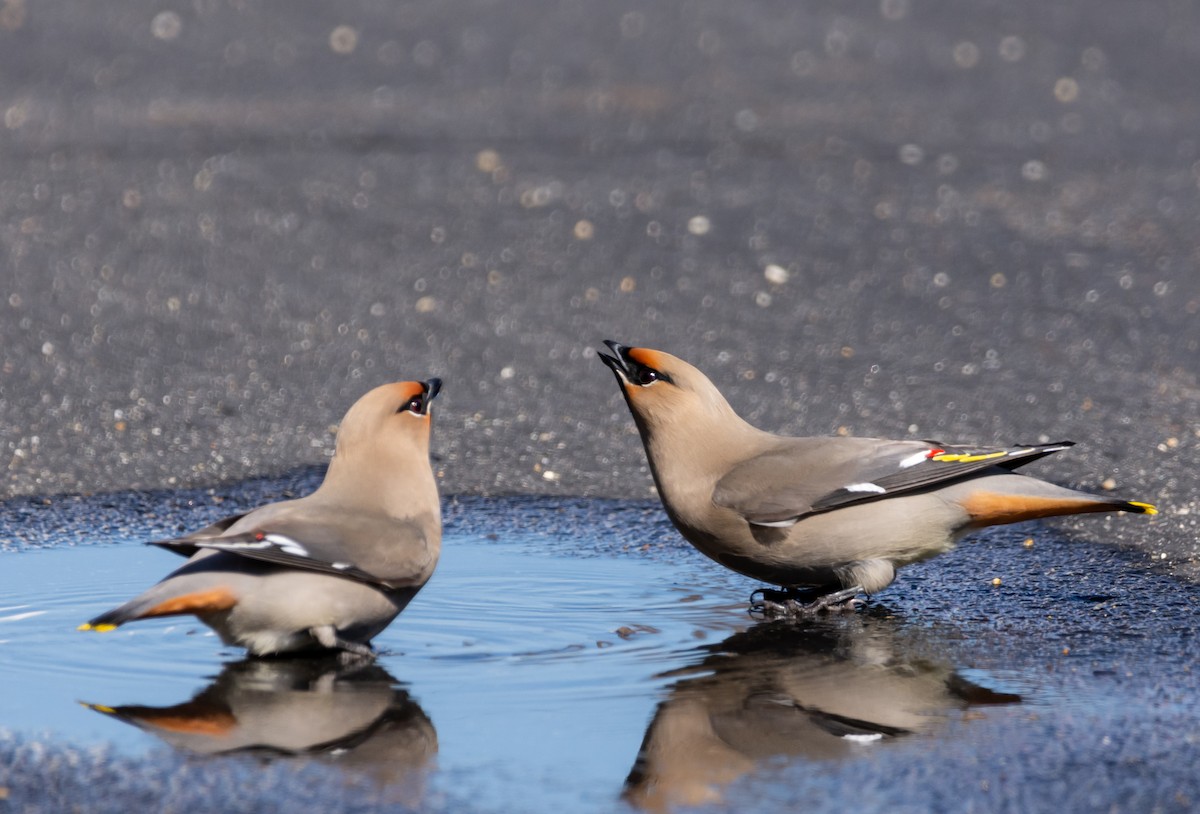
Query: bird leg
326, 636
789, 604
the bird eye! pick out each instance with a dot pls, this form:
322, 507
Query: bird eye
646, 376
415, 405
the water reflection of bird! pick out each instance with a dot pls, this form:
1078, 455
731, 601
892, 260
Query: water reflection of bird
820, 692
353, 714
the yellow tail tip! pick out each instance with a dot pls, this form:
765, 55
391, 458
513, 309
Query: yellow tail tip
97, 628
1147, 508
99, 708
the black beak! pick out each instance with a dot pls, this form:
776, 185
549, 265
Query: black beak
616, 363
432, 388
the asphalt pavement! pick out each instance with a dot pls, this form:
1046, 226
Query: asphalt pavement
220, 223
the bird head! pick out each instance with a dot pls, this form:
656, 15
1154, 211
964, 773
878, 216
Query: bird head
390, 422
663, 390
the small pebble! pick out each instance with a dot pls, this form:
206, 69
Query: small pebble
912, 154
166, 25
343, 40
487, 161
777, 275
1066, 90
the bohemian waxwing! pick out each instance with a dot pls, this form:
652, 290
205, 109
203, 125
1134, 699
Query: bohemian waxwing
330, 570
835, 516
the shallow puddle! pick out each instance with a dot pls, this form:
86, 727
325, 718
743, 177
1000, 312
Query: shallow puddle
503, 640
513, 666
557, 672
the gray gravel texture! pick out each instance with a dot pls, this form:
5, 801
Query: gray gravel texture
222, 222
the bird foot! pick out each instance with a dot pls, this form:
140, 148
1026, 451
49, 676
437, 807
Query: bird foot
348, 651
790, 605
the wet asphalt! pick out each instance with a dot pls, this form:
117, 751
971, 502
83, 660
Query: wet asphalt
221, 223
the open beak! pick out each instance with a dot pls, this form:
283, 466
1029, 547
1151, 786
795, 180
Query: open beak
617, 362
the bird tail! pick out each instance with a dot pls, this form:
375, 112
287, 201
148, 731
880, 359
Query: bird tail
105, 622
1136, 507
113, 619
155, 603
1001, 499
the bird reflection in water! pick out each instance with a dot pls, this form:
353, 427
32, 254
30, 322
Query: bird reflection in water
351, 715
824, 691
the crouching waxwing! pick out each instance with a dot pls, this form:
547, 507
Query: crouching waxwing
835, 516
330, 570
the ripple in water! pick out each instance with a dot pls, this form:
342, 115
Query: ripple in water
526, 625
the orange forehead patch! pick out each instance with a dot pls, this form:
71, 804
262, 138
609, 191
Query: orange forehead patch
407, 390
650, 358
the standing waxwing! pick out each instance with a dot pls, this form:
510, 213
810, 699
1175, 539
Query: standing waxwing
832, 516
330, 570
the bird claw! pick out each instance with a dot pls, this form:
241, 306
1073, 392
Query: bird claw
788, 605
348, 651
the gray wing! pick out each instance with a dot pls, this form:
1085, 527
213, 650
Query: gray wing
805, 476
378, 550
186, 546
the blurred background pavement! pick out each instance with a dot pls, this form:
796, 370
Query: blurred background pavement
221, 222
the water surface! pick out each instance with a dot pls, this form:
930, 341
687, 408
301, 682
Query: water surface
593, 665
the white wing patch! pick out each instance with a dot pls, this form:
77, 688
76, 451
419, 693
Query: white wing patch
234, 545
873, 488
775, 524
914, 459
287, 545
